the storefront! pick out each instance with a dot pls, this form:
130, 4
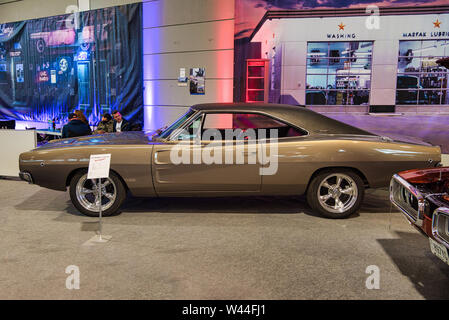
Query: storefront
349, 61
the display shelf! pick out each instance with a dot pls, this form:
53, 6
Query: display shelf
257, 80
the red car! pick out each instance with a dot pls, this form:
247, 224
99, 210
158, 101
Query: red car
422, 195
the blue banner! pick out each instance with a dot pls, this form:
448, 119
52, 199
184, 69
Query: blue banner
91, 61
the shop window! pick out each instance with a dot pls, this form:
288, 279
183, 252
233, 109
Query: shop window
420, 79
338, 73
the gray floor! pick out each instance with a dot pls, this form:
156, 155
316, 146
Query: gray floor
253, 248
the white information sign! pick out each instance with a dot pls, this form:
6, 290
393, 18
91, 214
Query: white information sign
182, 79
182, 72
99, 165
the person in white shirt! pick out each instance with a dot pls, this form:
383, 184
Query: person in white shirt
120, 123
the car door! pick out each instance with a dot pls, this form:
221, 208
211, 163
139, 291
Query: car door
293, 161
191, 163
285, 151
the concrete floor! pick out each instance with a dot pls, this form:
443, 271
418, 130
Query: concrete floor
251, 248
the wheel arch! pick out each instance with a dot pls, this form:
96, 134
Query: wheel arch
355, 170
75, 171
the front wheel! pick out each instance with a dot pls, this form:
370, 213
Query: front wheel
86, 198
336, 194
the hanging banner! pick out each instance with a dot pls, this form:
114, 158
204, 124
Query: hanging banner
52, 66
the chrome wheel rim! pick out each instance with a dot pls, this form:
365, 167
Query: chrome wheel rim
88, 196
337, 193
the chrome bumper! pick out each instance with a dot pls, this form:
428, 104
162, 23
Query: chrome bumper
440, 226
408, 200
25, 176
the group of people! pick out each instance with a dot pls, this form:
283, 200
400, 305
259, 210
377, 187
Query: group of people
79, 126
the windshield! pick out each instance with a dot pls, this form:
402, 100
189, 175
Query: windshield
167, 132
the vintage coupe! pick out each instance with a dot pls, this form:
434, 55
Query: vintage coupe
422, 195
329, 161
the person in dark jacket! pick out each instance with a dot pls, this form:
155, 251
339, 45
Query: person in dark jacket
120, 123
75, 128
106, 124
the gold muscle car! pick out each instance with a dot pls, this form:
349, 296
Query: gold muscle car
231, 150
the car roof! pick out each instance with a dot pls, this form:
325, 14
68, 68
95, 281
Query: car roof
298, 116
244, 106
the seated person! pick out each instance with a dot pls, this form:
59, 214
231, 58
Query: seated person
106, 125
120, 123
75, 128
80, 116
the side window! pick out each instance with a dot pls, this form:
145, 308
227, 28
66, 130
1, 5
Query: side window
245, 121
191, 131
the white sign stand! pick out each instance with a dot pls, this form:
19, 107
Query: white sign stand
99, 166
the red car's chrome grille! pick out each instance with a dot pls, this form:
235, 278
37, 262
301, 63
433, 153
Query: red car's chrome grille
440, 226
407, 199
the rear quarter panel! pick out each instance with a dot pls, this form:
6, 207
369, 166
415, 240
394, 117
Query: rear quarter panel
299, 159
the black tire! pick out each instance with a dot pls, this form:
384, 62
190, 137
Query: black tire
331, 208
79, 180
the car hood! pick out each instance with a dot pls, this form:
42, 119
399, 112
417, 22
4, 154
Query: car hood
117, 138
424, 176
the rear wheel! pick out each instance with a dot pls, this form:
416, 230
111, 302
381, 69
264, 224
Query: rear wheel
336, 193
85, 196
